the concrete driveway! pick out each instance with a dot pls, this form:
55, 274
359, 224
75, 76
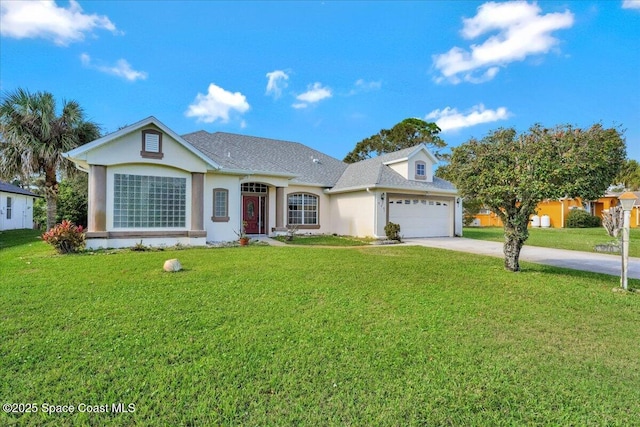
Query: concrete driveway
586, 261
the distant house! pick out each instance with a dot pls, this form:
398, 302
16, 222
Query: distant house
148, 183
557, 211
16, 207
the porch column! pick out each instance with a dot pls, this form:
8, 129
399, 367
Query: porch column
280, 203
197, 202
97, 218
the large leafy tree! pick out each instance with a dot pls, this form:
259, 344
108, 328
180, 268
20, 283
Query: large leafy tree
510, 173
405, 134
33, 137
470, 207
72, 203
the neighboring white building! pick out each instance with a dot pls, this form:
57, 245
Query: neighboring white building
16, 207
148, 183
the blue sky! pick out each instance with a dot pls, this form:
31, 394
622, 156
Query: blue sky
329, 74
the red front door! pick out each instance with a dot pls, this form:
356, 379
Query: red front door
253, 214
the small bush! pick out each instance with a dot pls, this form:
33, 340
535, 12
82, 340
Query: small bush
66, 237
139, 247
392, 230
579, 218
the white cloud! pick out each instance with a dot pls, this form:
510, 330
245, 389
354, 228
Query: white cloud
314, 93
631, 4
277, 81
44, 19
122, 68
521, 30
449, 119
363, 85
299, 105
216, 105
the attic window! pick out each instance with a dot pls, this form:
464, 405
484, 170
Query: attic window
421, 170
151, 144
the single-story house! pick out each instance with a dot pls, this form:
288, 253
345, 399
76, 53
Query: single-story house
16, 207
148, 183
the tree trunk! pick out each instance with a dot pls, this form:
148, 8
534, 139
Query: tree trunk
52, 209
51, 197
514, 238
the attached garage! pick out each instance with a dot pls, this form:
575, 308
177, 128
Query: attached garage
422, 216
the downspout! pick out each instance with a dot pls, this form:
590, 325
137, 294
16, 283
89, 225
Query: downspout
562, 215
375, 212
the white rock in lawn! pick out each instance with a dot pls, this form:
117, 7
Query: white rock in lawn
172, 265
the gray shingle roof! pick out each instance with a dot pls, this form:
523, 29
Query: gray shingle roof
240, 152
374, 173
304, 164
8, 188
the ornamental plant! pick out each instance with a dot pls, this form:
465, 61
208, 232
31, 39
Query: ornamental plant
579, 218
392, 230
66, 237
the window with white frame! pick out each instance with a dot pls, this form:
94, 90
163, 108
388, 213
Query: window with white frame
141, 201
302, 209
254, 187
220, 205
9, 207
421, 170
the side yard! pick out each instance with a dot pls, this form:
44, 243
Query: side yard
577, 239
262, 335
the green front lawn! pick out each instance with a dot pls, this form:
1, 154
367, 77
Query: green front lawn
263, 335
577, 239
325, 240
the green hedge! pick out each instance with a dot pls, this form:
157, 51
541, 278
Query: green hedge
579, 218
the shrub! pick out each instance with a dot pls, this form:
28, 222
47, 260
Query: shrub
66, 237
579, 218
139, 247
392, 230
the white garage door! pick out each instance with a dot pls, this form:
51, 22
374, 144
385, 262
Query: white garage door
421, 216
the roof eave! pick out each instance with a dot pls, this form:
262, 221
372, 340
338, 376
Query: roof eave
231, 171
392, 188
79, 153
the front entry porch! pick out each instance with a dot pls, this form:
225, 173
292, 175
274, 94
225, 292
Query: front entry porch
255, 199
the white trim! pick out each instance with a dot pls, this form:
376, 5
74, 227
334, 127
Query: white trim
421, 147
79, 153
429, 191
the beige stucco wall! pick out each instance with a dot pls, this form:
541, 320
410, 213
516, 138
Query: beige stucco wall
324, 207
126, 149
402, 168
353, 213
408, 168
222, 231
421, 156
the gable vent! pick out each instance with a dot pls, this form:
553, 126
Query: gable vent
152, 142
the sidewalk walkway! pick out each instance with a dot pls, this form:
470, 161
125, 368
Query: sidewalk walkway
586, 261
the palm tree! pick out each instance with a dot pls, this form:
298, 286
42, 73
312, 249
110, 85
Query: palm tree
33, 138
629, 175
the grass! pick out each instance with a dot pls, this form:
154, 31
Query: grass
577, 239
313, 336
326, 240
